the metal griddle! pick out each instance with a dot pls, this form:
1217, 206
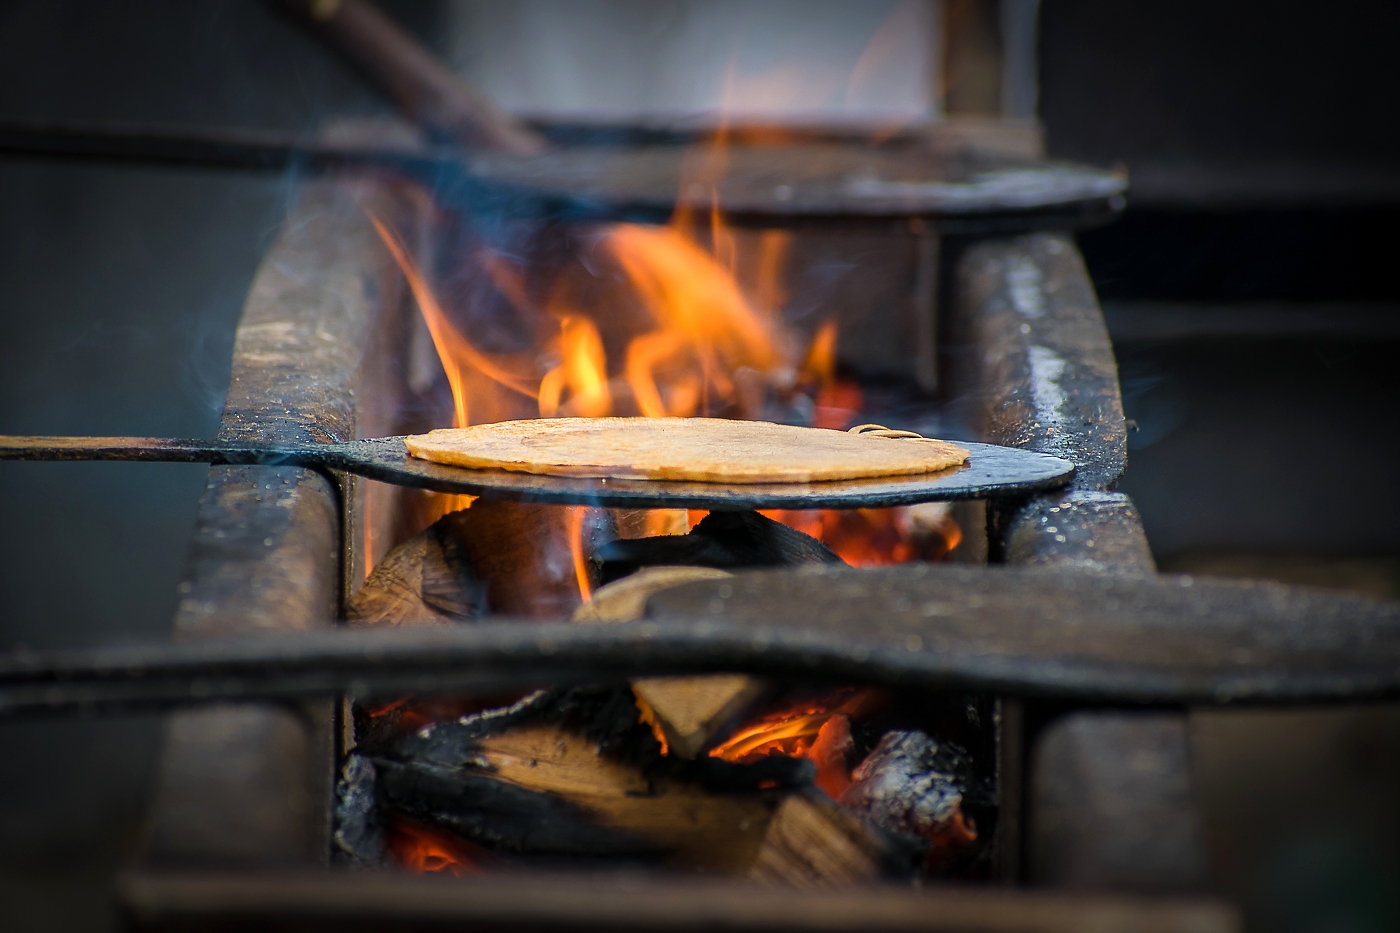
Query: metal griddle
991, 472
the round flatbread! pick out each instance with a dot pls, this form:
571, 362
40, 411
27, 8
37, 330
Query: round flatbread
697, 449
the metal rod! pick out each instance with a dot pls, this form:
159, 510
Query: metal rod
962, 646
209, 148
150, 449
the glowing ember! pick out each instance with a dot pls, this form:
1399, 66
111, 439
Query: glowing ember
819, 731
428, 850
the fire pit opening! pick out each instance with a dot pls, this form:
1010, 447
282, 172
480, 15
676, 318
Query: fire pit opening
811, 783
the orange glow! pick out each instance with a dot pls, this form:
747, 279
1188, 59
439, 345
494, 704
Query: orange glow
577, 515
700, 339
819, 365
429, 850
583, 371
648, 716
878, 537
818, 730
706, 329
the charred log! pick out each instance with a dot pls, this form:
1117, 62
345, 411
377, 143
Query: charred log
912, 783
575, 773
359, 830
726, 540
500, 814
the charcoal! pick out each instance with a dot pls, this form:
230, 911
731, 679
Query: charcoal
912, 783
726, 777
359, 830
605, 714
500, 815
725, 540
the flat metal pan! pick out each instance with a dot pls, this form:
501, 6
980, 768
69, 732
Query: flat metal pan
991, 472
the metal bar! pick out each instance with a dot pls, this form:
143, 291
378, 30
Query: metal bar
147, 449
1068, 635
254, 783
251, 150
379, 902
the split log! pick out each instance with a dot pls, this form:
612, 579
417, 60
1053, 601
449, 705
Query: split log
573, 773
812, 842
646, 523
427, 579
724, 540
689, 711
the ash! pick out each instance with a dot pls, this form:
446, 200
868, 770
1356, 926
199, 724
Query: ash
911, 783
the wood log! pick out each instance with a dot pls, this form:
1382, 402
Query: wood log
811, 842
646, 523
427, 579
523, 554
689, 711
506, 558
517, 781
912, 783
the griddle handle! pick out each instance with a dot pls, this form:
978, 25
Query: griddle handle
156, 449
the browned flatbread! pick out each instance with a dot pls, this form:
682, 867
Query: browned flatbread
699, 449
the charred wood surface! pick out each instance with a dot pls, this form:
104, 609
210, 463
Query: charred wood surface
723, 540
576, 773
520, 553
358, 839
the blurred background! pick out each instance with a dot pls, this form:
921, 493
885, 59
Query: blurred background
1249, 290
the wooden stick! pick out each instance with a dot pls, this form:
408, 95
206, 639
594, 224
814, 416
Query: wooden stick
690, 711
421, 85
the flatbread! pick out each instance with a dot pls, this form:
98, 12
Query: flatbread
697, 449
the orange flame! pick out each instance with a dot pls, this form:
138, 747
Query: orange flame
819, 731
429, 850
878, 537
583, 371
577, 515
706, 328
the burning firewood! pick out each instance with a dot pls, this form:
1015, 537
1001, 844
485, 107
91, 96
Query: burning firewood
509, 558
575, 773
688, 711
812, 842
428, 578
911, 783
724, 540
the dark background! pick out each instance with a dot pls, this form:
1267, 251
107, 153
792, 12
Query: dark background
1266, 163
